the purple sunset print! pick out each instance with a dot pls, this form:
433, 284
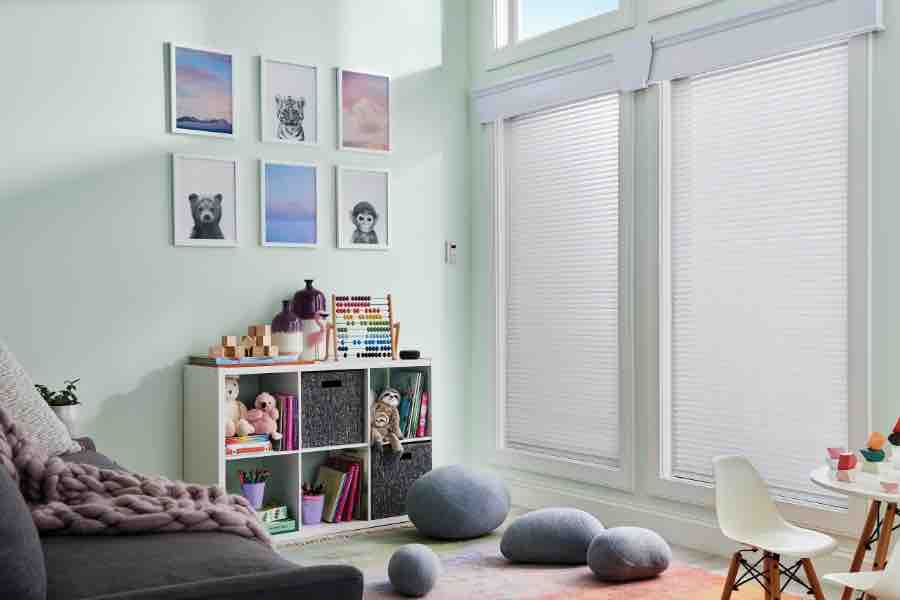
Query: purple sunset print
365, 111
290, 204
203, 91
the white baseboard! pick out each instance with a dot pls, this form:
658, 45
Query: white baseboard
678, 529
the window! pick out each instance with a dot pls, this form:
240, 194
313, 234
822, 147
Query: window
527, 28
559, 296
754, 317
541, 16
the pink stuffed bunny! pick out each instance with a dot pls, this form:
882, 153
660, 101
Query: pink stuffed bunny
264, 418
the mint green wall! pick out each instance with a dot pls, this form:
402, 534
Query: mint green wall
885, 243
91, 285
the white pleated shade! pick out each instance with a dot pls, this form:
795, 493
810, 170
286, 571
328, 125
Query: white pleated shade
562, 371
759, 318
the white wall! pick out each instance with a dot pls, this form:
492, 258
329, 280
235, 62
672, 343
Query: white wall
683, 523
91, 285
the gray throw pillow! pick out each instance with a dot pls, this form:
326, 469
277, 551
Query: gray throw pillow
19, 398
22, 572
551, 536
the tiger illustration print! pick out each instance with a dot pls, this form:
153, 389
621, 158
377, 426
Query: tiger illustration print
289, 114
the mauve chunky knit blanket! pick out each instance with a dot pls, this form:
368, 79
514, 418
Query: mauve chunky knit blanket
80, 499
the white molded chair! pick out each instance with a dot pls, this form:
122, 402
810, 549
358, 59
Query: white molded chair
884, 585
748, 515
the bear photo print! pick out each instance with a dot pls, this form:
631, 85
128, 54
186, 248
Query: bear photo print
204, 201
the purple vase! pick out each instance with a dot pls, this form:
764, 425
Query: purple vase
309, 302
286, 331
311, 509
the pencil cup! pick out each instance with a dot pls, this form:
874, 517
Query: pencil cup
254, 493
312, 509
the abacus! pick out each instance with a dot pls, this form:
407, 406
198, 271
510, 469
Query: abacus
364, 327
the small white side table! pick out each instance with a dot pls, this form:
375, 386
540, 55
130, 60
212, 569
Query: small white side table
877, 528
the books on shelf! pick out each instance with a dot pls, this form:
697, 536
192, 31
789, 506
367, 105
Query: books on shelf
413, 407
250, 444
289, 421
281, 526
270, 514
333, 482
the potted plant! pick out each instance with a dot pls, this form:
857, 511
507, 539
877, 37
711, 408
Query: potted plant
64, 403
313, 503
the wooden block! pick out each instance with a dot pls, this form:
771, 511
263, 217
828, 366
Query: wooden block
259, 352
262, 340
259, 330
234, 352
229, 340
216, 352
271, 350
247, 341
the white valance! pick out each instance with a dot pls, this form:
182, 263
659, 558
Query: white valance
636, 61
762, 34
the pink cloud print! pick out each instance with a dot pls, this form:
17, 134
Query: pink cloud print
365, 111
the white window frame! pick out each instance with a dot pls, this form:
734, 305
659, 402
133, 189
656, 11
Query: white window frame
659, 482
622, 476
505, 13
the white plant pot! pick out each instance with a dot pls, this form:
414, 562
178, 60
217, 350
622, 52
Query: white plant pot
69, 416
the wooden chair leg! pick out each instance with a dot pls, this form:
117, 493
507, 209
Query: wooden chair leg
732, 576
775, 576
813, 579
860, 554
884, 539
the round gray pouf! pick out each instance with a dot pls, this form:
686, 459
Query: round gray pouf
455, 503
551, 536
628, 553
413, 570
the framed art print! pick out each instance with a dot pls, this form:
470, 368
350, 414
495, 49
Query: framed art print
289, 102
364, 111
363, 208
201, 83
204, 201
289, 204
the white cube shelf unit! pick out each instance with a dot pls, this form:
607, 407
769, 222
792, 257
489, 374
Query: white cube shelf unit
204, 433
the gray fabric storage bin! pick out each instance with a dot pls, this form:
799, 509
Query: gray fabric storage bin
393, 474
333, 407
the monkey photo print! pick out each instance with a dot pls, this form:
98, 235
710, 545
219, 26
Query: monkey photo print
289, 102
364, 104
289, 204
204, 201
202, 91
363, 206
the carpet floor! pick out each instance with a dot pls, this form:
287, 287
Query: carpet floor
476, 570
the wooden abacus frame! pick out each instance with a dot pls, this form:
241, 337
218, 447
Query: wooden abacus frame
331, 339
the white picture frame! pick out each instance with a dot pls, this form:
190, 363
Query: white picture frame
356, 185
211, 92
274, 80
205, 176
268, 236
352, 78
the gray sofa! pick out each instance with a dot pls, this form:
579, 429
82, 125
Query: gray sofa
185, 566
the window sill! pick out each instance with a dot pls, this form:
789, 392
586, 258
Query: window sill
619, 478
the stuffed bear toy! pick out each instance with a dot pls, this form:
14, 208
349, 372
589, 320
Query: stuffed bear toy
264, 418
386, 420
235, 412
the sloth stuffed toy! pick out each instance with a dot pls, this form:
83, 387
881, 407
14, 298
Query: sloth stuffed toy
386, 420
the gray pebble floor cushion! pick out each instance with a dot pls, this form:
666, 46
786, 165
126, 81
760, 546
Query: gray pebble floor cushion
551, 536
627, 554
413, 570
456, 503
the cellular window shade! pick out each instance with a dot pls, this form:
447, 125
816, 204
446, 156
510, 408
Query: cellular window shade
562, 357
758, 230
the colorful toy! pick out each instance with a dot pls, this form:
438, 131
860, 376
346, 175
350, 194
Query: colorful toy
264, 418
235, 413
364, 327
846, 467
874, 454
894, 438
386, 420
